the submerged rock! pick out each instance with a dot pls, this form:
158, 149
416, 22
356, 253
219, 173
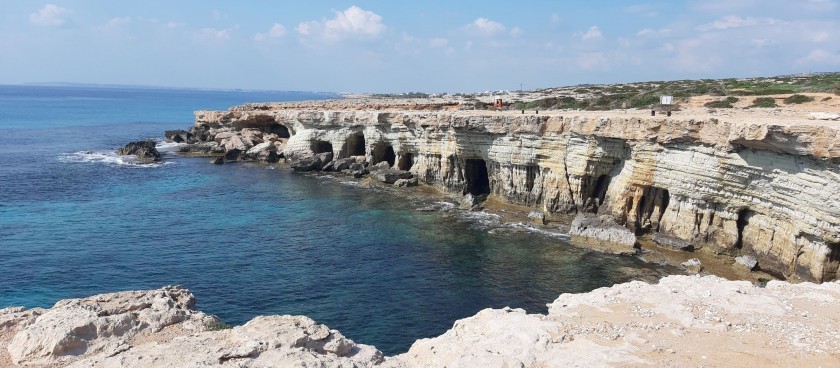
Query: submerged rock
144, 151
602, 228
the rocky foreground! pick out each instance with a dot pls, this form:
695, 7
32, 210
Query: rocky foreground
681, 321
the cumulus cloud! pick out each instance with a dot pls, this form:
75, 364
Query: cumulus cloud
354, 22
592, 34
733, 21
276, 31
485, 27
516, 31
50, 15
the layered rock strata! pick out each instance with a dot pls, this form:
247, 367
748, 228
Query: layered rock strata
681, 321
760, 188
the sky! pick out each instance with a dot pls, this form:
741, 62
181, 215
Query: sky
405, 46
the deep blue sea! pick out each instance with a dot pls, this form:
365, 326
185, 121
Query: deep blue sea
382, 267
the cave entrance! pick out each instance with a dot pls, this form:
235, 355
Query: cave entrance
355, 145
406, 161
321, 147
383, 152
280, 130
600, 191
743, 220
650, 209
478, 180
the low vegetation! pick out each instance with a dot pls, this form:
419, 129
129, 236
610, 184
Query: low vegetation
764, 102
216, 325
722, 104
798, 99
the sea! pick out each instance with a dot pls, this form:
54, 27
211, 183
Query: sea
382, 266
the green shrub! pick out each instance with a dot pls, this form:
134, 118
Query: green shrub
798, 99
826, 99
764, 102
722, 104
216, 325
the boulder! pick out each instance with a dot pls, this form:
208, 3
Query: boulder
217, 160
232, 155
260, 148
390, 176
380, 166
473, 203
342, 164
235, 143
537, 217
746, 261
692, 265
602, 228
316, 162
178, 136
144, 151
405, 183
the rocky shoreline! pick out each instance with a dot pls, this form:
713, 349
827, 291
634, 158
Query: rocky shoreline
757, 186
680, 321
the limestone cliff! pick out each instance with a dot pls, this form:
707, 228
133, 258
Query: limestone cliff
763, 188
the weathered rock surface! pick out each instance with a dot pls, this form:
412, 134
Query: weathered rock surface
390, 176
760, 187
681, 321
144, 151
602, 228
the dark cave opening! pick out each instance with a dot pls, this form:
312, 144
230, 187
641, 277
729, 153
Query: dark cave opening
742, 222
406, 161
382, 152
355, 145
477, 177
321, 147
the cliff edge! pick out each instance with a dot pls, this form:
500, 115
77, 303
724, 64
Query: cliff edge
681, 321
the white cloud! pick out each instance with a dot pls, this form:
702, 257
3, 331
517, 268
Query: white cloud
485, 27
516, 31
171, 25
354, 22
555, 18
438, 42
592, 60
821, 57
733, 21
213, 34
276, 31
593, 34
116, 22
50, 15
819, 37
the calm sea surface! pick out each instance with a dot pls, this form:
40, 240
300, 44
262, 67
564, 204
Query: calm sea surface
383, 268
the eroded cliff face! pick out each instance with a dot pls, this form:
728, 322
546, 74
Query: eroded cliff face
772, 191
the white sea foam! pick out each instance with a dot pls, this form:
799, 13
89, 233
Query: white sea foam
164, 146
437, 206
106, 158
481, 218
524, 227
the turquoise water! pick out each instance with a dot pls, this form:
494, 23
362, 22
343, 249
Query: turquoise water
380, 266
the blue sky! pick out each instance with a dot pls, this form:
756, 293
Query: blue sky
400, 46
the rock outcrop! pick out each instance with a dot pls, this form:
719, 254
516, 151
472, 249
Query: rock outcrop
681, 321
144, 151
764, 188
161, 328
